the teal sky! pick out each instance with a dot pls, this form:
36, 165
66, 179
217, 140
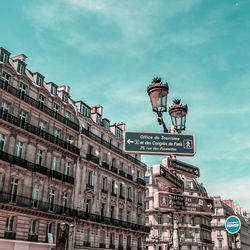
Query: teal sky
108, 51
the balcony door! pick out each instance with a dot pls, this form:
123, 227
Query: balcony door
35, 195
13, 190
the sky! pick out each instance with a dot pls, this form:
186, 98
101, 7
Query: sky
108, 51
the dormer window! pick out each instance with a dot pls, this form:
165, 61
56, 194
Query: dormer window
106, 124
53, 90
68, 115
84, 110
118, 132
98, 119
4, 57
39, 81
20, 68
65, 97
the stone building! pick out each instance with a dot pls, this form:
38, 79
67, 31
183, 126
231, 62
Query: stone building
222, 239
194, 230
64, 180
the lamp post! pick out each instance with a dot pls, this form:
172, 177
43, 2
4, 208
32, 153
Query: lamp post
158, 96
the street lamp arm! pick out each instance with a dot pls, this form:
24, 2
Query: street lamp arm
161, 122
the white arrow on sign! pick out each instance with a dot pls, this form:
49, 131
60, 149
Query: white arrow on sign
129, 141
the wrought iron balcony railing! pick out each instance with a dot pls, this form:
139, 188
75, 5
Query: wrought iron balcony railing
105, 165
141, 181
114, 169
10, 235
93, 158
130, 177
32, 237
38, 132
205, 226
86, 243
120, 247
207, 241
26, 202
35, 167
122, 173
112, 147
102, 245
34, 103
88, 185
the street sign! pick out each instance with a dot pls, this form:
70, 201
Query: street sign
159, 143
167, 177
233, 224
166, 201
184, 168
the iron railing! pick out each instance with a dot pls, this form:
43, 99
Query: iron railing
105, 165
10, 235
93, 158
112, 147
4, 115
35, 167
34, 103
205, 226
39, 205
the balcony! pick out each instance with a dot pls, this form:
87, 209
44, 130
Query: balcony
139, 203
102, 245
204, 226
105, 165
207, 241
10, 235
113, 194
129, 199
38, 132
113, 148
33, 237
64, 211
122, 173
90, 186
114, 169
104, 191
35, 167
93, 158
129, 248
86, 243
34, 103
121, 197
141, 181
120, 247
129, 177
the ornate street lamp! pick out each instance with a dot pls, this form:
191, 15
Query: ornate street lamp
178, 114
158, 96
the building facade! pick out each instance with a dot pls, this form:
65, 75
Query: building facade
222, 239
194, 230
64, 180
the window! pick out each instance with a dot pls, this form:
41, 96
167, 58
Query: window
118, 132
121, 190
112, 238
39, 157
104, 184
13, 189
88, 206
53, 90
68, 115
5, 106
65, 200
4, 57
19, 149
52, 193
160, 233
56, 108
159, 219
220, 243
139, 243
216, 211
146, 204
218, 221
129, 170
121, 166
22, 88
98, 119
113, 189
10, 223
42, 100
147, 192
67, 168
35, 195
42, 125
104, 157
112, 212
120, 240
120, 214
128, 216
85, 110
6, 79
219, 232
87, 235
103, 209
129, 193
69, 139
65, 97
113, 162
22, 116
106, 124
20, 68
146, 220
33, 227
39, 81
139, 197
57, 133
90, 178
129, 241
55, 164
2, 139
102, 237
139, 219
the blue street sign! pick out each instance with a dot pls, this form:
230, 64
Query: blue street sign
233, 224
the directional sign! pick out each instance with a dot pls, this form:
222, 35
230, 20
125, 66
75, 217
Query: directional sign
165, 176
184, 168
159, 143
165, 201
233, 224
